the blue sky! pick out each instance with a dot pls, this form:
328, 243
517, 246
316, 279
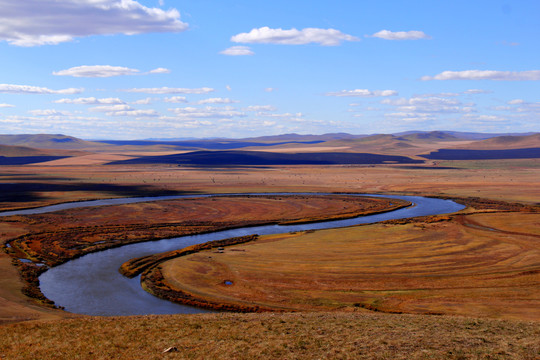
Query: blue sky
125, 69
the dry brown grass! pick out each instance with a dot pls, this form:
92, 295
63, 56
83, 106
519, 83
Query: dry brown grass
511, 180
311, 335
56, 237
273, 336
471, 266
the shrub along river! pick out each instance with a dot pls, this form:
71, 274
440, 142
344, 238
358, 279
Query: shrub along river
92, 284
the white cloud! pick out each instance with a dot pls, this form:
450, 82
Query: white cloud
207, 112
411, 117
486, 75
49, 112
395, 102
160, 71
135, 113
363, 93
261, 108
524, 106
176, 99
484, 118
168, 90
27, 89
217, 101
96, 71
438, 109
40, 22
109, 108
124, 110
269, 89
266, 35
237, 51
6, 106
228, 87
477, 91
90, 101
145, 101
401, 35
431, 101
420, 108
289, 116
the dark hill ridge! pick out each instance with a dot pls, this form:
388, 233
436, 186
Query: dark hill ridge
238, 158
304, 138
461, 154
205, 144
430, 136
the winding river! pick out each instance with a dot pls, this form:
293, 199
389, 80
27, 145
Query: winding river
92, 284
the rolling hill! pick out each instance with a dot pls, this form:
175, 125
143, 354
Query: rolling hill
505, 142
47, 141
22, 155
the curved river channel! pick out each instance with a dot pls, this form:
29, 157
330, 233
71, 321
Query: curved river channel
92, 284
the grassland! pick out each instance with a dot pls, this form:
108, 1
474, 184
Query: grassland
474, 265
508, 180
361, 333
51, 239
273, 336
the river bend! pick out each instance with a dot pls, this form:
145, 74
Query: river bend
92, 284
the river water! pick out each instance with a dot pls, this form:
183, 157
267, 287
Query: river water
92, 284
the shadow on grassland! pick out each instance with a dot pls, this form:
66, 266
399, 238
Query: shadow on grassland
28, 192
458, 154
25, 160
238, 158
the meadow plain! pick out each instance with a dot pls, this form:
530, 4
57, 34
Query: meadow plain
352, 280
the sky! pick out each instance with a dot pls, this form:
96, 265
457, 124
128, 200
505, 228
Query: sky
126, 69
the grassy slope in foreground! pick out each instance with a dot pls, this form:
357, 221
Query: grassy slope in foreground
474, 265
273, 336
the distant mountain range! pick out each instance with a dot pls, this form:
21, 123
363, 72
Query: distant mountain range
336, 148
465, 135
59, 141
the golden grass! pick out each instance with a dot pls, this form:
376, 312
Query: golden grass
361, 334
511, 180
457, 267
272, 336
